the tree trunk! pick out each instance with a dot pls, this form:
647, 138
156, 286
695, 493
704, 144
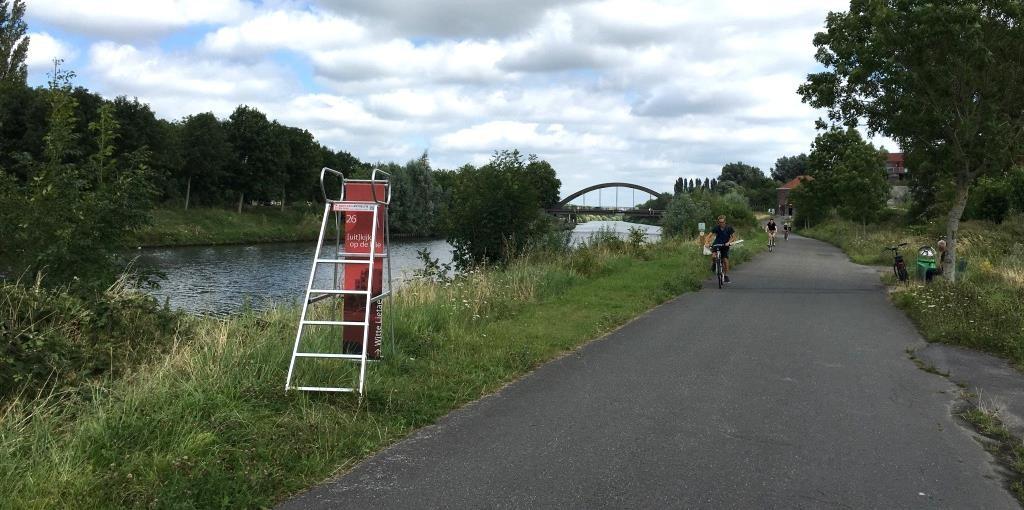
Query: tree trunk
188, 191
240, 197
953, 224
282, 199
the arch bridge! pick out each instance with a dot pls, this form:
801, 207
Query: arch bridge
564, 209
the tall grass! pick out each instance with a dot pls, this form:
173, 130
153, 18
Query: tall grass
210, 426
984, 310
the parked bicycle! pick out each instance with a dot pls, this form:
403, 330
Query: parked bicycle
899, 266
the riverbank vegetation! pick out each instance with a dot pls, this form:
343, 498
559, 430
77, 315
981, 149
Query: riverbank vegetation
210, 425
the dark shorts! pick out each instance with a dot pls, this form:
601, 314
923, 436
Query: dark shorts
724, 250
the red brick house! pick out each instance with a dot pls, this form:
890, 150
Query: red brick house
786, 207
895, 169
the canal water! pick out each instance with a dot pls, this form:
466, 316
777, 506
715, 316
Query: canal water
220, 280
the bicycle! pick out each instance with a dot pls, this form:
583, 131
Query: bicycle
899, 266
716, 259
785, 233
771, 241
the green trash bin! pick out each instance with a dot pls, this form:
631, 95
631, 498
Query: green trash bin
925, 261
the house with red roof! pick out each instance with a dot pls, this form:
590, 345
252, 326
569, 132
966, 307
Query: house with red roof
786, 207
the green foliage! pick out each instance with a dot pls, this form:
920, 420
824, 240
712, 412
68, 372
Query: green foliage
684, 212
13, 41
989, 200
56, 339
494, 211
205, 161
849, 177
680, 186
416, 202
934, 77
541, 176
70, 222
788, 168
1016, 183
742, 174
688, 209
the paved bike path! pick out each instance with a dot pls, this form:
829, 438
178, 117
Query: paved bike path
791, 388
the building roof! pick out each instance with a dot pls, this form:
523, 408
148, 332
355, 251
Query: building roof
894, 157
795, 182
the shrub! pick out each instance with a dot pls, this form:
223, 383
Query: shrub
56, 338
989, 200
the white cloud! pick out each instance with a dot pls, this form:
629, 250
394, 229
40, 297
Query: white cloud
605, 90
181, 84
130, 18
44, 48
298, 31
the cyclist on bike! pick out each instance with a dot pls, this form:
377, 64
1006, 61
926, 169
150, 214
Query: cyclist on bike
786, 229
722, 234
770, 227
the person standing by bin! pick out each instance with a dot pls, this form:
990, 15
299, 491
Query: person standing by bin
940, 263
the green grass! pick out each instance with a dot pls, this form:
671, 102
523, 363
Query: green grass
210, 426
984, 310
199, 226
1006, 448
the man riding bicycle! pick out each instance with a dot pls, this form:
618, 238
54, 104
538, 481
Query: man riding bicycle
786, 229
723, 234
770, 227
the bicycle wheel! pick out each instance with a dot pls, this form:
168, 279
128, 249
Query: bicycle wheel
901, 273
718, 271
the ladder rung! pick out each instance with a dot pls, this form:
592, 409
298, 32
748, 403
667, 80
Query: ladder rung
317, 388
334, 323
338, 291
342, 261
327, 355
361, 255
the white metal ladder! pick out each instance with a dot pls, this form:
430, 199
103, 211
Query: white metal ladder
338, 208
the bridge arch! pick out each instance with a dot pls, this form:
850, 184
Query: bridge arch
596, 187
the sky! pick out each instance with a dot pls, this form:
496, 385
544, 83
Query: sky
640, 91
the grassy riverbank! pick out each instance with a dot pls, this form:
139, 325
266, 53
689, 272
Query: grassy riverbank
201, 226
210, 426
984, 310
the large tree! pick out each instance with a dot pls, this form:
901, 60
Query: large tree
849, 173
943, 79
13, 41
788, 168
206, 156
742, 174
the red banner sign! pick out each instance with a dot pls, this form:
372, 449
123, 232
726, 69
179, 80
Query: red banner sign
359, 232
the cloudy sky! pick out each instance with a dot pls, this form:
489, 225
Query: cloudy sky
636, 90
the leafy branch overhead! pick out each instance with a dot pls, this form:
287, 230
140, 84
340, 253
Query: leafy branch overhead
943, 79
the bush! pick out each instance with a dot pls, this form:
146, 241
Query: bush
684, 213
57, 339
494, 212
989, 200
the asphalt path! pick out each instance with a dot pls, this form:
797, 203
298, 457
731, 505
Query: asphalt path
790, 388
